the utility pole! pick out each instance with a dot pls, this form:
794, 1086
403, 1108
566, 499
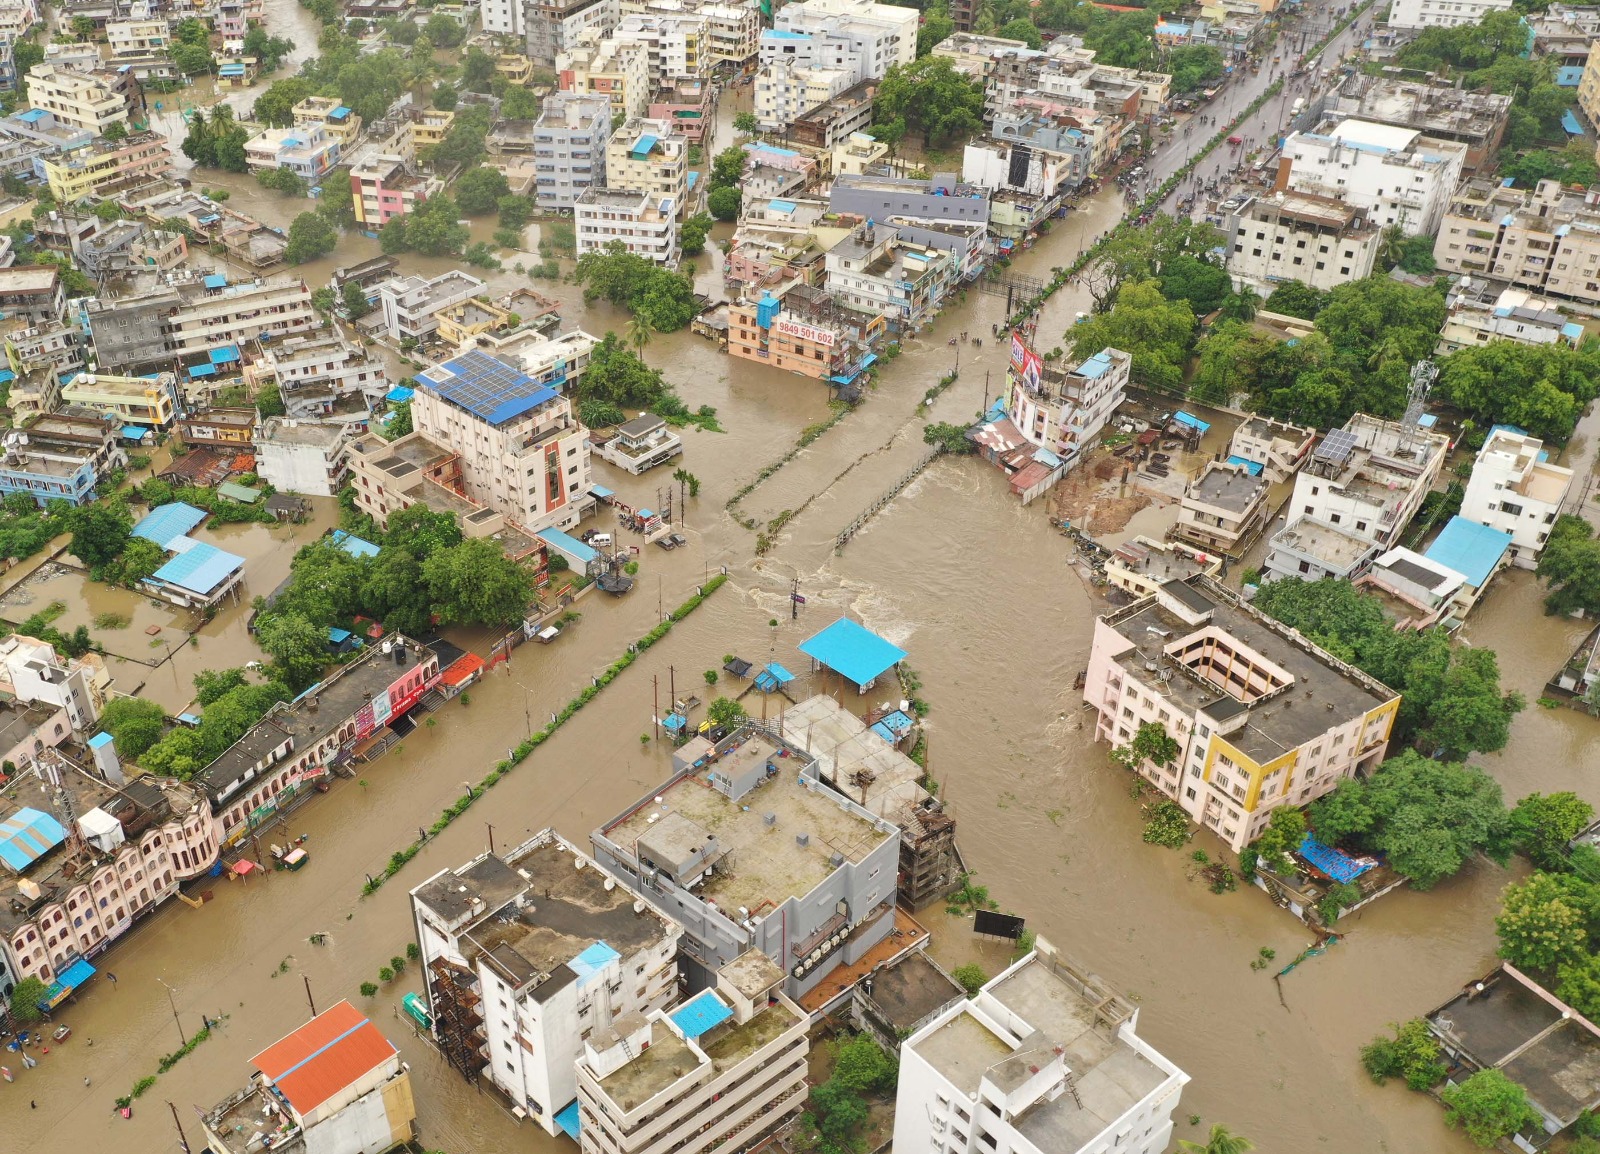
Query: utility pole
183, 1143
309, 1000
794, 600
491, 836
171, 1002
655, 697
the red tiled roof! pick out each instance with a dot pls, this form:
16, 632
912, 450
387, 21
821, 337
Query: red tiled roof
462, 668
324, 1056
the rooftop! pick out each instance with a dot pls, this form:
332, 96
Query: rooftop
963, 1050
489, 389
852, 650
1158, 560
332, 1051
1471, 549
287, 431
1227, 488
1319, 691
911, 989
1339, 548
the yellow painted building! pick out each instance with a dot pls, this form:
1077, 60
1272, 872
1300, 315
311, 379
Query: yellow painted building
131, 400
107, 166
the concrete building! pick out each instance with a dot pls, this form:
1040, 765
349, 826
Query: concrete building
641, 444
725, 1069
1044, 1060
1515, 489
688, 105
60, 458
1397, 176
218, 425
321, 375
1317, 240
128, 329
352, 714
675, 44
645, 154
1414, 592
1368, 479
1277, 446
800, 329
1223, 680
85, 99
302, 456
334, 1086
548, 30
645, 223
411, 304
520, 449
1065, 410
34, 292
827, 126
334, 117
1439, 111
215, 313
749, 850
819, 49
942, 197
528, 955
874, 272
1141, 566
1222, 509
307, 150
386, 186
107, 167
570, 139
1545, 240
35, 674
1419, 14
85, 883
620, 72
1310, 548
1480, 311
127, 400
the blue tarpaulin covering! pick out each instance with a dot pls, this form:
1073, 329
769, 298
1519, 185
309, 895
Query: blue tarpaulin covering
227, 354
570, 1121
215, 280
199, 569
166, 523
1193, 422
852, 650
399, 393
773, 678
353, 545
1570, 123
700, 1013
27, 835
1251, 467
1337, 864
673, 722
7, 376
592, 961
134, 432
643, 146
205, 370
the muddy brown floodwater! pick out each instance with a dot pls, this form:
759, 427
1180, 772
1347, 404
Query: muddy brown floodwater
981, 594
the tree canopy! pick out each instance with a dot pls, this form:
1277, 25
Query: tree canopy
1543, 824
478, 190
1548, 921
1193, 67
663, 298
310, 236
134, 724
1570, 563
1540, 388
1488, 1105
929, 97
1155, 331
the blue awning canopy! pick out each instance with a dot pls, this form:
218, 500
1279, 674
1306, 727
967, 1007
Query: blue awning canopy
134, 432
601, 492
853, 651
225, 355
570, 1121
76, 974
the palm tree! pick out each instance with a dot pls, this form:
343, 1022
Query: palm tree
1220, 1142
1242, 305
640, 330
1392, 245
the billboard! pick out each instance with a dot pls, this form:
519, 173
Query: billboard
803, 332
997, 925
1026, 365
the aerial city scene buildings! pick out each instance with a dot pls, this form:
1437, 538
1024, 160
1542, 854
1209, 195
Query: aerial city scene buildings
671, 576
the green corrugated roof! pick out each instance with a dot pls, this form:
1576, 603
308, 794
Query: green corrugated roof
241, 493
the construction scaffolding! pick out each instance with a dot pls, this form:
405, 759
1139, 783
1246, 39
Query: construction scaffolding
457, 1018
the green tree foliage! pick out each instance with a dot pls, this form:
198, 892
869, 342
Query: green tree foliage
474, 583
1194, 67
1021, 29
285, 181
477, 69
99, 531
134, 724
1199, 281
1451, 702
693, 234
598, 414
1488, 1105
1578, 985
1413, 1054
863, 1066
1147, 254
515, 211
354, 299
478, 190
116, 132
727, 168
446, 98
431, 229
310, 236
269, 402
1548, 921
1429, 817
26, 998
1285, 830
1296, 299
400, 425
193, 59
211, 684
1543, 824
936, 27
663, 298
929, 97
297, 645
1541, 388
269, 50
216, 140
724, 711
1570, 564
1157, 332
1221, 1140
724, 203
275, 106
183, 752
971, 977
1571, 164
444, 31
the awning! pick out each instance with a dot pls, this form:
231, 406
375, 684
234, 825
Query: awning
601, 492
134, 432
243, 866
569, 1121
76, 974
398, 394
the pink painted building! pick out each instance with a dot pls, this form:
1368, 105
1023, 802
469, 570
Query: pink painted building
685, 105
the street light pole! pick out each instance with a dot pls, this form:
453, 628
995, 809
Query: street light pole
173, 1003
183, 1142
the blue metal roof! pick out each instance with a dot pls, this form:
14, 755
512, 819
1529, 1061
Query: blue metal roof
1570, 123
340, 111
27, 835
99, 740
1251, 467
570, 1121
1471, 549
700, 1013
602, 492
206, 370
772, 678
216, 280
642, 146
1337, 864
1095, 367
852, 650
224, 354
134, 432
199, 569
166, 523
76, 974
1193, 422
352, 544
489, 389
592, 962
567, 545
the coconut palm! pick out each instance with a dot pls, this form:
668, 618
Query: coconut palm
640, 330
1221, 1141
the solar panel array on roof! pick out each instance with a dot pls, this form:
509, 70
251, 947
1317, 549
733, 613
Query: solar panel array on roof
1337, 446
489, 389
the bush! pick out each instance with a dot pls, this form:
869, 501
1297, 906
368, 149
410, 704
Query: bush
1166, 824
397, 964
1413, 1054
971, 977
368, 989
386, 975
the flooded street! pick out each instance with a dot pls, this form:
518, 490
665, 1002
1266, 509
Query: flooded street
978, 589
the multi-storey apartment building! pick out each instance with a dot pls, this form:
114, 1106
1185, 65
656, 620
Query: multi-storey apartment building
748, 849
550, 29
732, 30
411, 304
307, 150
138, 37
107, 167
1438, 111
1420, 14
1397, 176
1369, 478
333, 116
615, 69
1223, 508
146, 401
215, 313
519, 448
302, 456
873, 271
802, 330
1317, 240
1514, 488
34, 292
60, 457
675, 44
91, 100
726, 1069
528, 955
385, 186
1064, 410
1278, 447
1262, 717
1479, 311
319, 373
643, 222
1043, 1060
817, 49
569, 147
647, 155
128, 328
1545, 240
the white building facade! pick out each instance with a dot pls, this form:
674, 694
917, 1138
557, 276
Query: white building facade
1421, 14
1514, 489
1396, 175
